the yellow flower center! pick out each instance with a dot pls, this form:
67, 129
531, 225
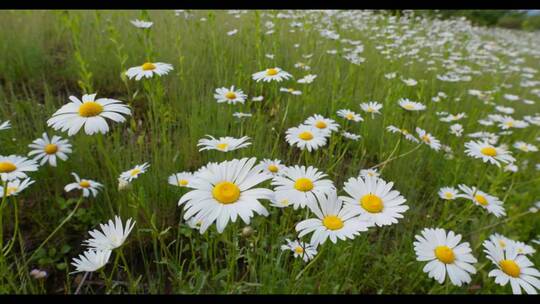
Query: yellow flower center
426, 139
226, 192
510, 267
10, 190
51, 149
320, 124
404, 131
271, 72
349, 116
481, 199
305, 135
509, 124
409, 106
299, 250
135, 172
372, 203
445, 254
182, 182
448, 195
222, 146
370, 109
332, 222
489, 151
90, 109
6, 167
230, 95
84, 184
273, 168
303, 184
148, 66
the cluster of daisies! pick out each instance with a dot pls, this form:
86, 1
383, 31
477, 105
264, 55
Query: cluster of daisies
488, 202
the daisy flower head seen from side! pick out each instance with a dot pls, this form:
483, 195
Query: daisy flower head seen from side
90, 113
369, 172
350, 136
448, 193
428, 139
513, 268
87, 186
230, 95
445, 255
148, 69
301, 186
269, 166
181, 179
47, 150
224, 191
141, 23
349, 115
371, 107
411, 105
488, 152
525, 147
15, 167
223, 144
303, 250
111, 236
491, 203
306, 137
5, 125
91, 260
404, 132
333, 221
373, 198
322, 123
271, 74
15, 187
132, 174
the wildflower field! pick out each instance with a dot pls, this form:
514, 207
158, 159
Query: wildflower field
290, 152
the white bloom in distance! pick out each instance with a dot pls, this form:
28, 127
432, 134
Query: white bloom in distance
230, 96
223, 144
87, 186
271, 74
148, 69
47, 150
132, 174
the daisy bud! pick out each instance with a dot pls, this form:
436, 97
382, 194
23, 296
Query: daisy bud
247, 231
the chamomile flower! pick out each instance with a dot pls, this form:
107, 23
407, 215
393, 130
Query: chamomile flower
230, 96
372, 107
303, 250
269, 166
90, 113
349, 115
291, 91
507, 122
404, 132
448, 193
141, 23
411, 105
181, 179
491, 203
5, 125
446, 255
428, 139
148, 69
88, 187
15, 187
132, 174
369, 172
489, 153
257, 98
374, 199
15, 167
350, 136
47, 150
91, 260
307, 79
525, 147
513, 268
324, 124
456, 129
301, 186
333, 221
111, 236
223, 144
271, 74
409, 82
306, 137
453, 117
222, 193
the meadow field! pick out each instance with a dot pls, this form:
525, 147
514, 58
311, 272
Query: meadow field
289, 152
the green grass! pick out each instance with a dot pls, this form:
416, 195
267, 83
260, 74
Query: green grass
46, 56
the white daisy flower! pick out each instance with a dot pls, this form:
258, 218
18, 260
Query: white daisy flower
445, 255
257, 98
512, 267
270, 74
404, 132
428, 139
307, 79
5, 125
148, 69
351, 136
15, 187
181, 179
409, 82
223, 144
372, 107
502, 241
505, 110
240, 115
301, 186
272, 167
456, 129
89, 113
411, 105
306, 137
525, 147
47, 150
232, 32
369, 172
324, 124
290, 90
303, 250
448, 193
222, 192
489, 153
507, 122
111, 236
491, 203
91, 260
349, 115
452, 117
333, 221
141, 23
374, 199
230, 96
132, 174
88, 187
390, 75
15, 167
